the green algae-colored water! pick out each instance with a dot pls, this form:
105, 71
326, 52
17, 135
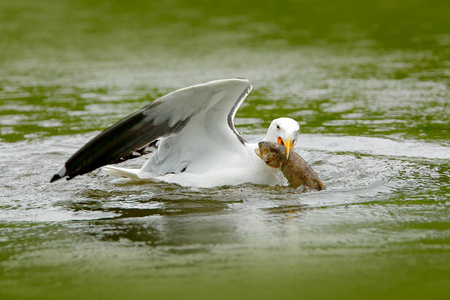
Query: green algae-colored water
367, 81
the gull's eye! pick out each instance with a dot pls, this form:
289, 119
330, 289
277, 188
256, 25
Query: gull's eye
278, 127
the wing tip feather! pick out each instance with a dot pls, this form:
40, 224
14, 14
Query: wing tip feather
60, 174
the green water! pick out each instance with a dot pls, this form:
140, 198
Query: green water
367, 81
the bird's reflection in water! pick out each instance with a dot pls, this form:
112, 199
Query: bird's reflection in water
160, 221
156, 209
120, 232
287, 209
165, 215
199, 230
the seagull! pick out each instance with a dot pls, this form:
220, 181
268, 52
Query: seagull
191, 139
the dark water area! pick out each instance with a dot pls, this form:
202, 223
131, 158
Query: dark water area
367, 81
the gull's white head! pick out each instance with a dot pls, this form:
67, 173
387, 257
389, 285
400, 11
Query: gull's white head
283, 131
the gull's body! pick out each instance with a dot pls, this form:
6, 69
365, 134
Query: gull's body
196, 142
223, 167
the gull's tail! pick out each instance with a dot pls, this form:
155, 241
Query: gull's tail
130, 173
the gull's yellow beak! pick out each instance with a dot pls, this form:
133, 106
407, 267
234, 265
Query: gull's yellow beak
287, 144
